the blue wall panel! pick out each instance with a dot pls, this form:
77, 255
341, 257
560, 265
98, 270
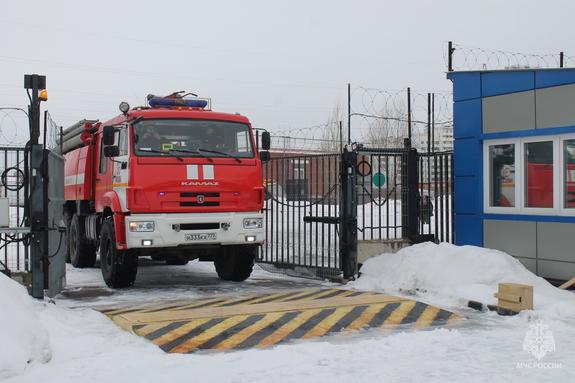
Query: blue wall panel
496, 83
468, 117
547, 78
468, 230
467, 195
466, 85
467, 154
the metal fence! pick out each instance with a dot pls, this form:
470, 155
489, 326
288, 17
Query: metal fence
14, 254
318, 206
436, 195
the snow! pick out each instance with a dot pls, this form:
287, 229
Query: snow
23, 337
86, 346
452, 275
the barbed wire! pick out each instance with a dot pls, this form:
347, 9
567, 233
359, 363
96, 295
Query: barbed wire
382, 115
13, 126
292, 144
474, 58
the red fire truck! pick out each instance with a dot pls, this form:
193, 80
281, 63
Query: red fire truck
174, 180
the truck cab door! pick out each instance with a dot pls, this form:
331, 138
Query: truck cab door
121, 165
103, 174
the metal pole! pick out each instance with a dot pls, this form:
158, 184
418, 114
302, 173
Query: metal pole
428, 122
348, 215
340, 136
409, 195
45, 128
450, 50
409, 116
433, 122
561, 59
348, 113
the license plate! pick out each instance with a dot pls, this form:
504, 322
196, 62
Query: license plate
200, 237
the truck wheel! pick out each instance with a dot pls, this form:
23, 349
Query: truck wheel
177, 261
82, 253
119, 267
236, 263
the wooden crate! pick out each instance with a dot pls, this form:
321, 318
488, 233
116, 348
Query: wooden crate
515, 297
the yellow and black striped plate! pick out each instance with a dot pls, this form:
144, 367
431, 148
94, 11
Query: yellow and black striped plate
260, 320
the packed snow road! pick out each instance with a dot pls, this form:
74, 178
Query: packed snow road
70, 342
157, 281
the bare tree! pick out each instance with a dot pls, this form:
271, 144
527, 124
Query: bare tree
388, 129
331, 137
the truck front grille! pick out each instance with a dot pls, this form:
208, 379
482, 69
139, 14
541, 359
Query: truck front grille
195, 194
194, 203
197, 226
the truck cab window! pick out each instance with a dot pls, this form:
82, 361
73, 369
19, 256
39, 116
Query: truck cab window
192, 138
122, 141
102, 158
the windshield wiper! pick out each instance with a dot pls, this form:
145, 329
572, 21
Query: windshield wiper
222, 153
159, 151
192, 152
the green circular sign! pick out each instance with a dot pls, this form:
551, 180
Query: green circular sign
378, 179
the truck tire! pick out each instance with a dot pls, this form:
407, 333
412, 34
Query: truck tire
119, 267
82, 253
236, 263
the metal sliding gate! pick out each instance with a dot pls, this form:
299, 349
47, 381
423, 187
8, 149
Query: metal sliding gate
382, 194
302, 208
318, 206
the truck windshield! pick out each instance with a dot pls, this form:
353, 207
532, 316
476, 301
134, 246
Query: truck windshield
192, 138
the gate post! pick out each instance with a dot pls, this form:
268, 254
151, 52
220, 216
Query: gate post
409, 195
37, 215
348, 215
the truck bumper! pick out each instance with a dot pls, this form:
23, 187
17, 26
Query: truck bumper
182, 229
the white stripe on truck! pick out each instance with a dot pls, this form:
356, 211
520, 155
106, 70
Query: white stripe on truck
75, 179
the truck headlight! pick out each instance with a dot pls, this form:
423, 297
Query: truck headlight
142, 226
253, 223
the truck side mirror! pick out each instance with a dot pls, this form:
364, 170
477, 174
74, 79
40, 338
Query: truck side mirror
111, 151
264, 156
108, 135
266, 141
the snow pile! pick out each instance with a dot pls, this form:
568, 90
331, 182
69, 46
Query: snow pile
24, 339
453, 275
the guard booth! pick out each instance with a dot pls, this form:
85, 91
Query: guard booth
514, 155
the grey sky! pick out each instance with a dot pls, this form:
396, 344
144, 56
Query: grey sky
283, 64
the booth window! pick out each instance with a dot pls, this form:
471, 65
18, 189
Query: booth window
502, 175
569, 174
538, 174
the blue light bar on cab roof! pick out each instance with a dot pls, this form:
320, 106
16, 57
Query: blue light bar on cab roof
170, 102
